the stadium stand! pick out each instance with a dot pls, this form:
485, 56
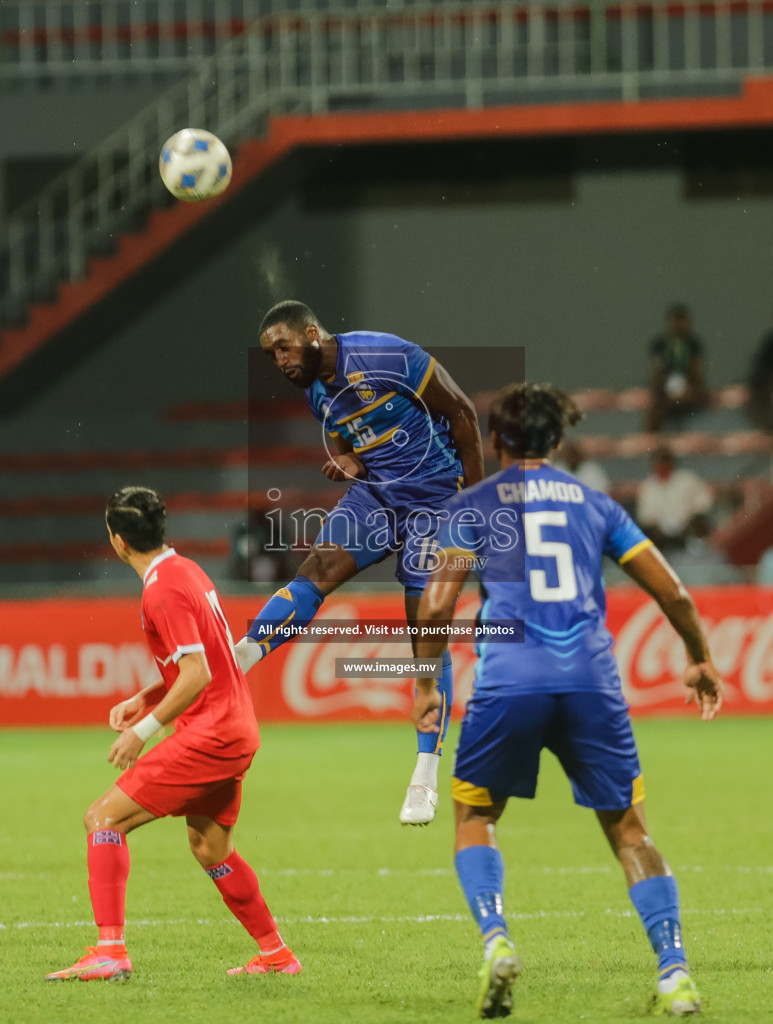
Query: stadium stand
50, 512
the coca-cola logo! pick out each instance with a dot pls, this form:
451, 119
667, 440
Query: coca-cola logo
652, 657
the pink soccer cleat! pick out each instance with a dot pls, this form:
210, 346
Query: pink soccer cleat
282, 961
95, 966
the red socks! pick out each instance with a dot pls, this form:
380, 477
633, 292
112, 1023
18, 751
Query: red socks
108, 861
238, 885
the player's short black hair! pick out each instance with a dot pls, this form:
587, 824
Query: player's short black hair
296, 315
530, 419
139, 515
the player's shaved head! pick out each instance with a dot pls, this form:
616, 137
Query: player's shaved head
292, 336
529, 419
296, 315
138, 514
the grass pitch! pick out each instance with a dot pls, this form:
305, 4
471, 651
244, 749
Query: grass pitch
373, 910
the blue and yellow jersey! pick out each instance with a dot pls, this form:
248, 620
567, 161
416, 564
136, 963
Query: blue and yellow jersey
538, 538
374, 400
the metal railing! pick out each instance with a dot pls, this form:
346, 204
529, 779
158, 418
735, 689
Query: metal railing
58, 41
472, 53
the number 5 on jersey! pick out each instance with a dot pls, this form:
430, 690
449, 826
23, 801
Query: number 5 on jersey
538, 547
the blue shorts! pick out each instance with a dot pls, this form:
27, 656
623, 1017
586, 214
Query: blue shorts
374, 522
589, 731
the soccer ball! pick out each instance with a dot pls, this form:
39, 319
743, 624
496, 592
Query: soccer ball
194, 164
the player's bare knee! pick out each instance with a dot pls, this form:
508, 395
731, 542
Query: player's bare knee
472, 815
623, 828
199, 848
99, 816
207, 852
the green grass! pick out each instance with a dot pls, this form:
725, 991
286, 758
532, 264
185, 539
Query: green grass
374, 910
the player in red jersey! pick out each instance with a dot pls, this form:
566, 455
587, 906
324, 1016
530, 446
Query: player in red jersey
194, 773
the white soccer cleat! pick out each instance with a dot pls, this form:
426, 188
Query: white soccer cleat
419, 806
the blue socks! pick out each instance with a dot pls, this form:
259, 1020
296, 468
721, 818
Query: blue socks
657, 904
481, 872
481, 875
284, 614
432, 742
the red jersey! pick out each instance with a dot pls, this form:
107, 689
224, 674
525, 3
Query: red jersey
181, 614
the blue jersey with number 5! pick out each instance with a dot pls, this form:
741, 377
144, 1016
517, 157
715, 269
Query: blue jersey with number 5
538, 537
374, 401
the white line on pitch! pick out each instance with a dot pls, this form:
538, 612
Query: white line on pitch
372, 919
604, 869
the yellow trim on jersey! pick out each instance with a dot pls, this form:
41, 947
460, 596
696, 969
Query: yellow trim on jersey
425, 379
635, 550
466, 793
460, 483
264, 643
333, 433
637, 790
285, 593
379, 440
366, 408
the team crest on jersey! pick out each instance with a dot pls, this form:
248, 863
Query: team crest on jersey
364, 391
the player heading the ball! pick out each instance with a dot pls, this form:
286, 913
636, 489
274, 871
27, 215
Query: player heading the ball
405, 437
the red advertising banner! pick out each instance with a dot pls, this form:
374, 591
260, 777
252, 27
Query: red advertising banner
67, 662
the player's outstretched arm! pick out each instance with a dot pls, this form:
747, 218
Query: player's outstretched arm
655, 576
444, 398
194, 676
127, 712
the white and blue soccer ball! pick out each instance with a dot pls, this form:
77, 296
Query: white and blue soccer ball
194, 164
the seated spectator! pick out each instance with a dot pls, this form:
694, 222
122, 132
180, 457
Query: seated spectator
571, 459
677, 385
672, 504
760, 405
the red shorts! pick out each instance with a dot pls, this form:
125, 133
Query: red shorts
174, 779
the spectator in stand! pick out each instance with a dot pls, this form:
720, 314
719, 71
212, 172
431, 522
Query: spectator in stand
760, 404
677, 384
673, 504
571, 459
